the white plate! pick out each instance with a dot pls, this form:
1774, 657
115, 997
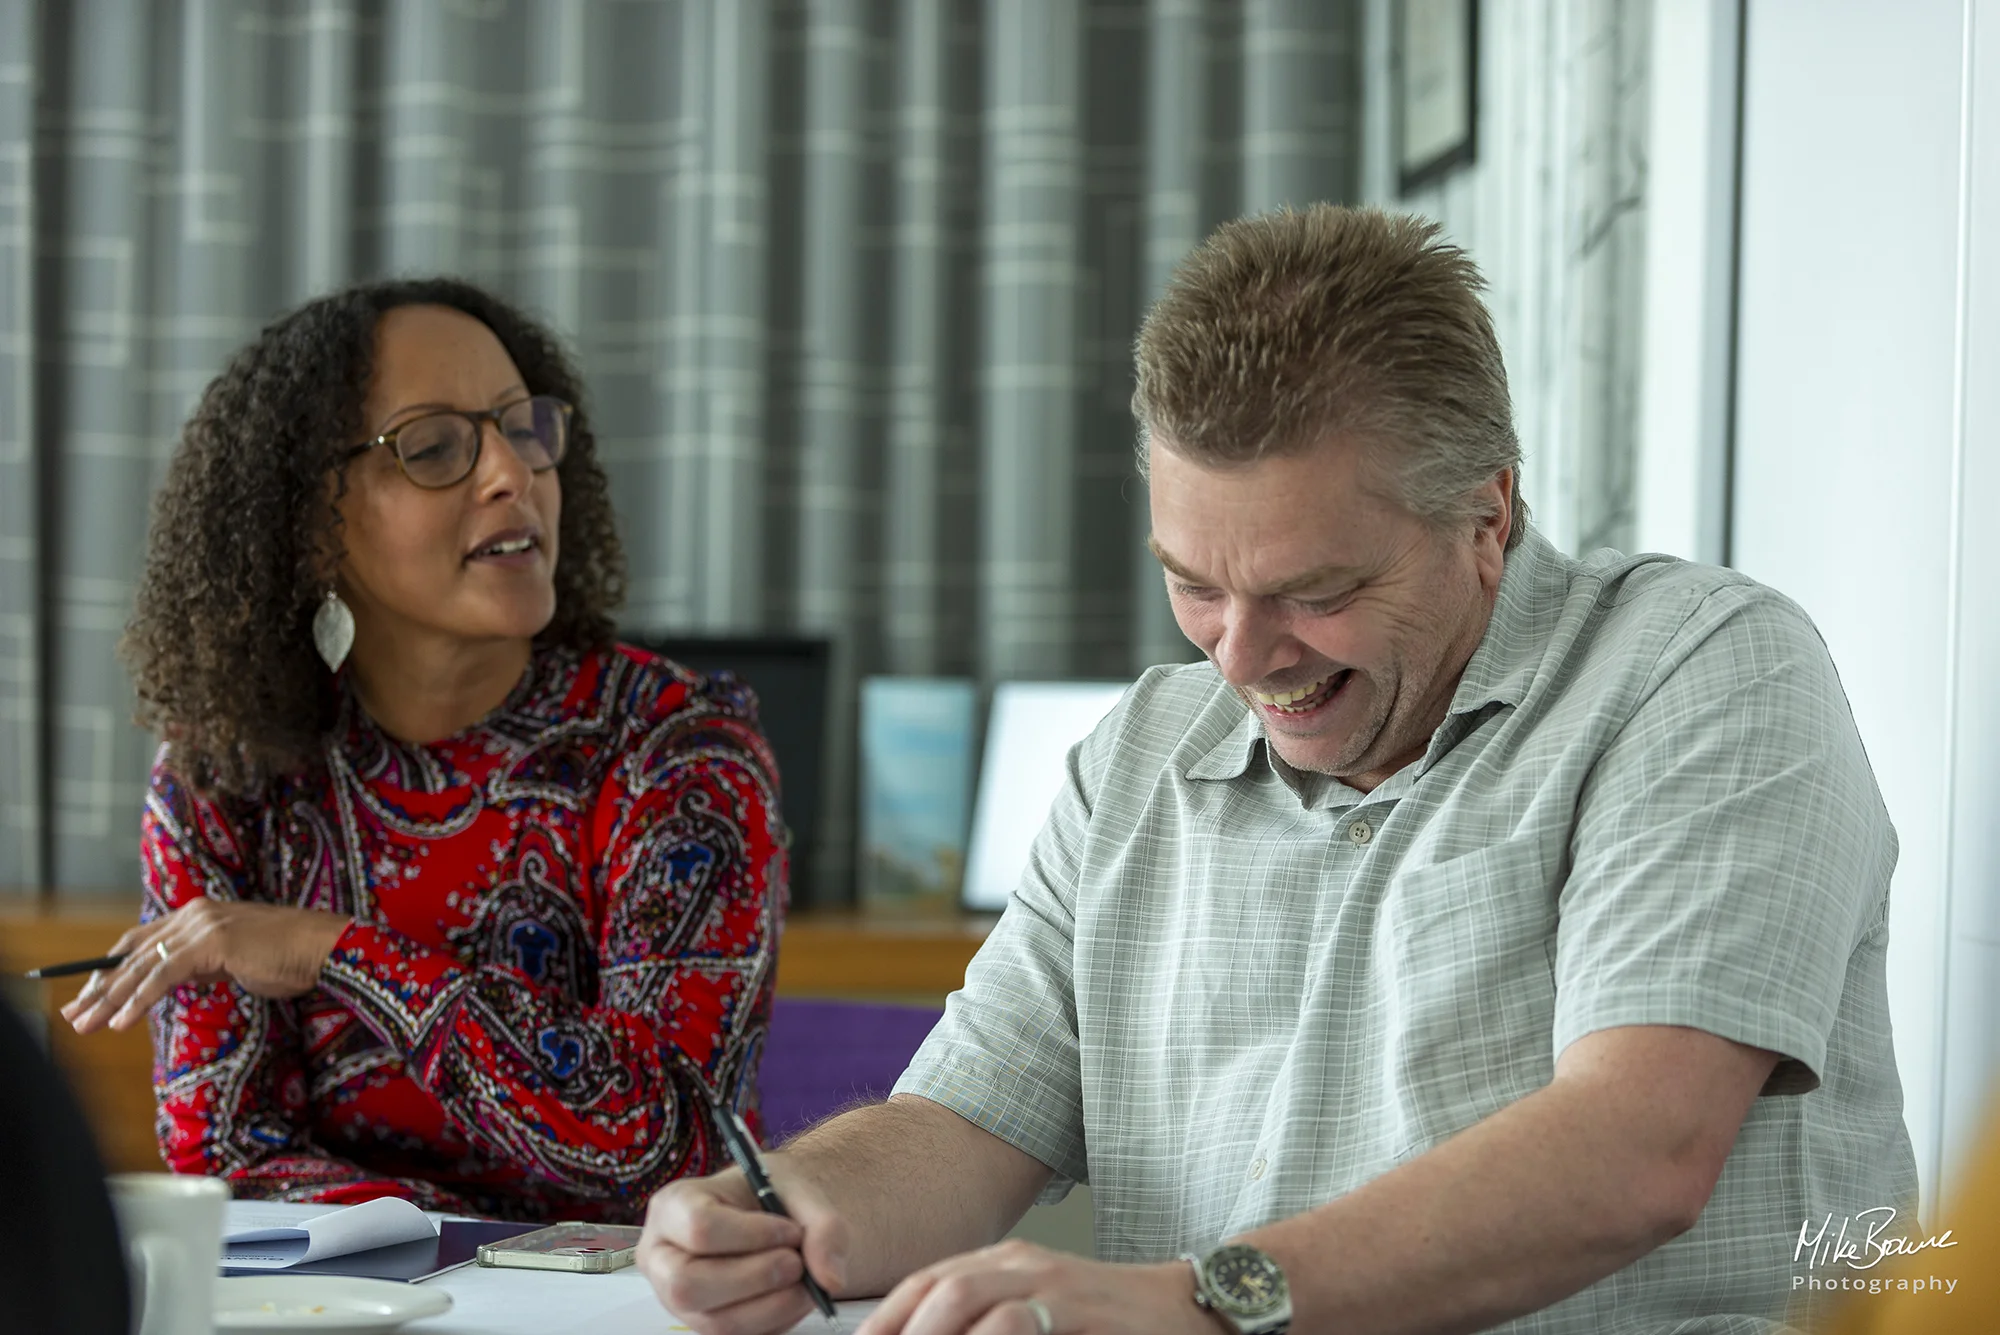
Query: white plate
330, 1304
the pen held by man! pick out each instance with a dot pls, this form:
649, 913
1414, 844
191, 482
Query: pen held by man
742, 1146
752, 1263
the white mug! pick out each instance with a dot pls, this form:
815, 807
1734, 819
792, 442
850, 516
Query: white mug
172, 1227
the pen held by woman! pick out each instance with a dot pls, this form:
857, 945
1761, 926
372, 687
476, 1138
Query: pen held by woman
270, 951
69, 968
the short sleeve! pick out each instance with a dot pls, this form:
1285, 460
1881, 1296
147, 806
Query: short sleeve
1005, 1055
1731, 850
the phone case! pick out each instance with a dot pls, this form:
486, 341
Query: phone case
589, 1249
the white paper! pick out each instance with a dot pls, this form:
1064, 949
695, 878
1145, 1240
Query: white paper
553, 1302
504, 1301
243, 1216
646, 1317
253, 1244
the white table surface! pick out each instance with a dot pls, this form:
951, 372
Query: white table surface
533, 1302
552, 1302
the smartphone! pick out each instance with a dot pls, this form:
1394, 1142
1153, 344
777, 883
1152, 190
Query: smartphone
590, 1249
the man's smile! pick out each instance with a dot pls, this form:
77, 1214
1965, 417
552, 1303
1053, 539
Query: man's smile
1307, 699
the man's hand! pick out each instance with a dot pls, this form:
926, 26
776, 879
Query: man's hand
725, 1267
269, 950
995, 1290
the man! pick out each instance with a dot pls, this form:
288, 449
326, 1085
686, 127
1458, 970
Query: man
1479, 936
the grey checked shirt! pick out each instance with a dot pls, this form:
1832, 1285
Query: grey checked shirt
1226, 993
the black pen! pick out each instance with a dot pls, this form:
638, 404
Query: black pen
743, 1148
69, 967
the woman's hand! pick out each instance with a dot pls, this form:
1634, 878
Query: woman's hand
269, 950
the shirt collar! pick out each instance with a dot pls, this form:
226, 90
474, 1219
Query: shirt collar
1533, 582
1230, 757
1533, 585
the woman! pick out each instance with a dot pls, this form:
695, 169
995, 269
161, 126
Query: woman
447, 896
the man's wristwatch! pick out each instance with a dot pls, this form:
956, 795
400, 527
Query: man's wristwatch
1244, 1287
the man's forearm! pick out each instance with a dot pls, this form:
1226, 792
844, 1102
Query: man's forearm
1522, 1210
1507, 1217
915, 1183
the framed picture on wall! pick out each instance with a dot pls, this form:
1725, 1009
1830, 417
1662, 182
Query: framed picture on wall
1436, 64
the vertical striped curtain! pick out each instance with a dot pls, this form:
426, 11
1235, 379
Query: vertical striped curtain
853, 284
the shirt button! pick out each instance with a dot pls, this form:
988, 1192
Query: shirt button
1256, 1169
1359, 833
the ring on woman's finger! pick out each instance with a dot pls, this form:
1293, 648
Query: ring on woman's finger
164, 953
1044, 1323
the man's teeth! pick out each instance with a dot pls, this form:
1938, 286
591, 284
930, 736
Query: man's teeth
508, 548
1293, 697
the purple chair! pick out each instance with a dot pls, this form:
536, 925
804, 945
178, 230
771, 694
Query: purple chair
822, 1056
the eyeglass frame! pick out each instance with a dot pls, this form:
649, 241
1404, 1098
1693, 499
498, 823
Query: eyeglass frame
479, 418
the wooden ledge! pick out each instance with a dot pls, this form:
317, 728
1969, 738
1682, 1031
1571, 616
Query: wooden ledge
823, 953
856, 953
112, 1073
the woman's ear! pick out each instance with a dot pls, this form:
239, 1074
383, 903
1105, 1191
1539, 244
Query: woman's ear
329, 547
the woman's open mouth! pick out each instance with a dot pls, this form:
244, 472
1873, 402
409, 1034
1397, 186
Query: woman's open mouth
515, 547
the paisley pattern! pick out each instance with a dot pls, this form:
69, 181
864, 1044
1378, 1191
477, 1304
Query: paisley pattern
565, 921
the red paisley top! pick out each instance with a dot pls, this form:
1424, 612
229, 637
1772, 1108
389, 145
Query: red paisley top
565, 924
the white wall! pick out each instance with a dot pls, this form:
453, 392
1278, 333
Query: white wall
1689, 296
1554, 212
1868, 462
1971, 1065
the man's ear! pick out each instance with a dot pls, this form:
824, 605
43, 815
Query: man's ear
1494, 526
1501, 520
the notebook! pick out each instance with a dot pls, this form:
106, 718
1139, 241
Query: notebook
379, 1239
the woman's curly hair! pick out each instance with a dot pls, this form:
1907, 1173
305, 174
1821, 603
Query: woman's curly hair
245, 541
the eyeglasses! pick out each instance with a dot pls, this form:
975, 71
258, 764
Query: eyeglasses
442, 449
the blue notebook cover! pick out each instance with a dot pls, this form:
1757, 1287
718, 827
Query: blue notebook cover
916, 789
457, 1243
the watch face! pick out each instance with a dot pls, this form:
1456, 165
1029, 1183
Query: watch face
1244, 1281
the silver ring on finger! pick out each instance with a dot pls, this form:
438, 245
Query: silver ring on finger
1045, 1324
160, 947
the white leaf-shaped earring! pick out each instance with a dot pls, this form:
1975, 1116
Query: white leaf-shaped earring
333, 631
